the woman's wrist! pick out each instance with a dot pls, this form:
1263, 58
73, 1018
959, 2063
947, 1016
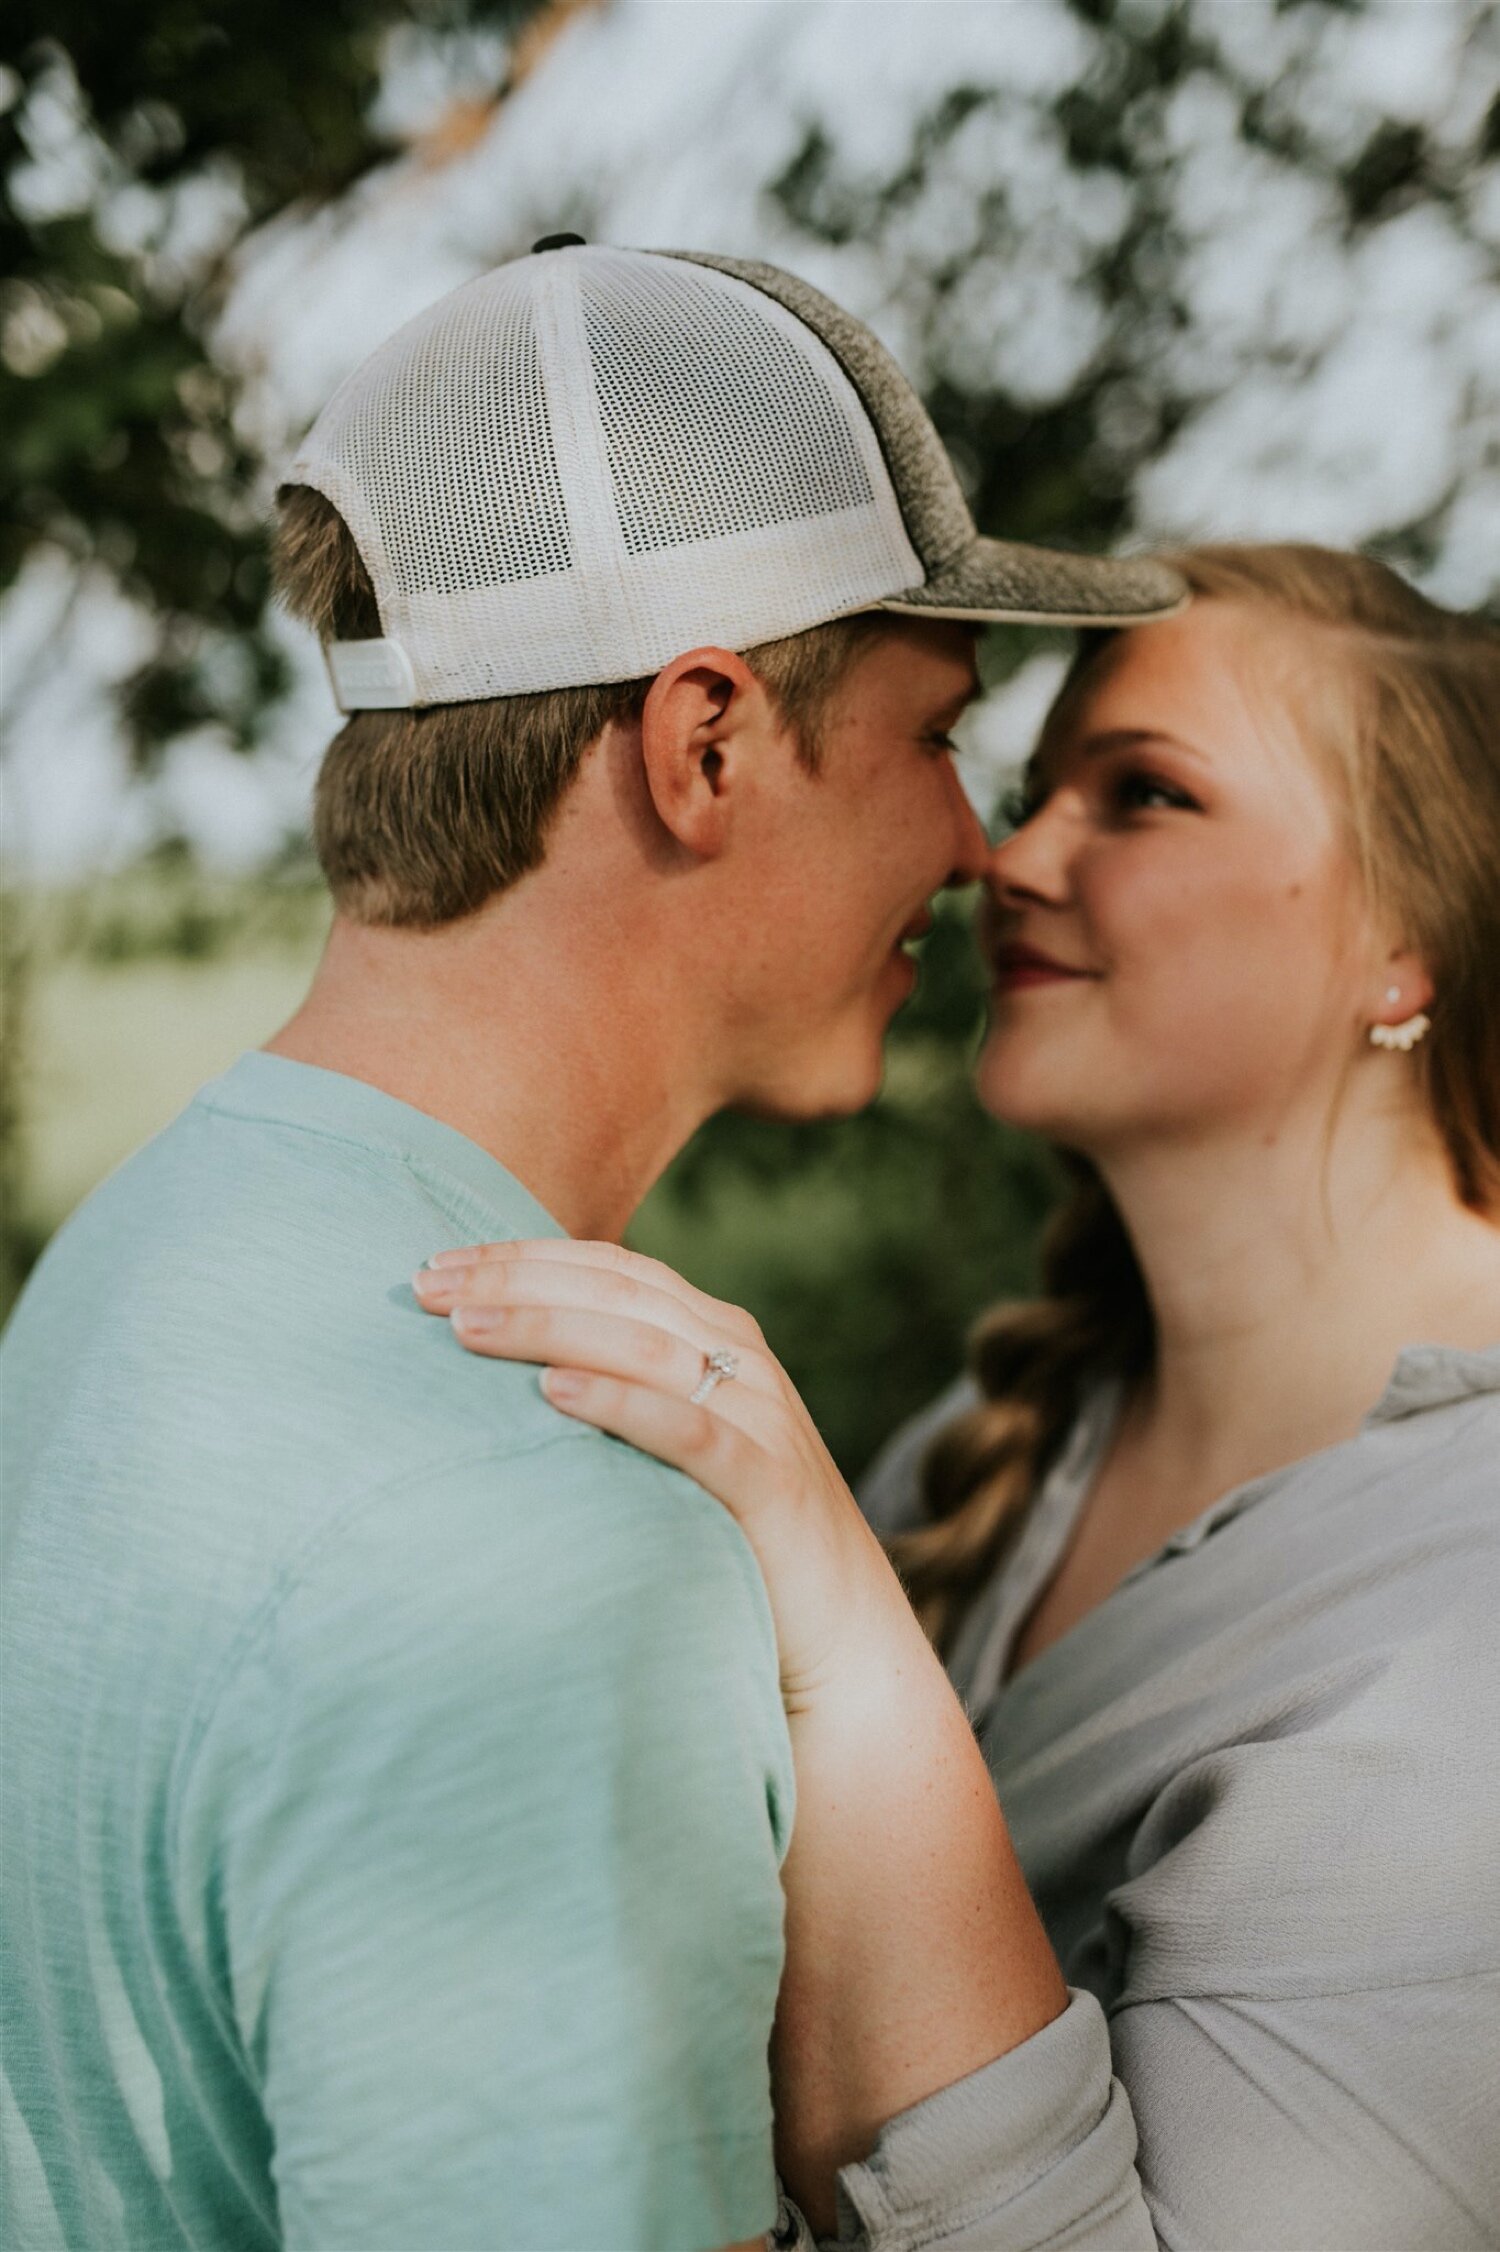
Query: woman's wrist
870, 1641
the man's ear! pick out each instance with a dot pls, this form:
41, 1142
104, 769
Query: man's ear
705, 717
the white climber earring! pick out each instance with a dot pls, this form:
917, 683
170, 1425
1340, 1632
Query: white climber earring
1404, 1035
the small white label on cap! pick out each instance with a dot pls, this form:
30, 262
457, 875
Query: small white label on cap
371, 676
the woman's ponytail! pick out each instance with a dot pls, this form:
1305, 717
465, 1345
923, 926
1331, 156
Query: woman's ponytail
1033, 1362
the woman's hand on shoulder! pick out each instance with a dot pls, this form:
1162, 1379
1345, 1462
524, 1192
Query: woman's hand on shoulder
630, 1347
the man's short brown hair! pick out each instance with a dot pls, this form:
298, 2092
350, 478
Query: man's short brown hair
419, 817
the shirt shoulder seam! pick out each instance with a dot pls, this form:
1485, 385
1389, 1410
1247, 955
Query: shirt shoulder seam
421, 1168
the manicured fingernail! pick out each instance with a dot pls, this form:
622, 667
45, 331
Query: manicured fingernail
476, 1321
561, 1384
430, 1287
463, 1257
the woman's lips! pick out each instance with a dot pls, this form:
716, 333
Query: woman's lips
1016, 966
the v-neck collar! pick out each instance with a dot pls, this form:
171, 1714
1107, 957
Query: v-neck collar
1424, 1377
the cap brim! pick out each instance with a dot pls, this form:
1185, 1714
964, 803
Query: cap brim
995, 582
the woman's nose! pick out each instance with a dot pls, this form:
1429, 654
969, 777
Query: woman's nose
1035, 860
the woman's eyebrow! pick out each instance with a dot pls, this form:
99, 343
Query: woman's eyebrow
1099, 743
1108, 739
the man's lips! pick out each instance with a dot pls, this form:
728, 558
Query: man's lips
918, 927
1017, 965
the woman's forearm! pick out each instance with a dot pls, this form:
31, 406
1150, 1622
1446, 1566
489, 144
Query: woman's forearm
915, 1955
914, 1952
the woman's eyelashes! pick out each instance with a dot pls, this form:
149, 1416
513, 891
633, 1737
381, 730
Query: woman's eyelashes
1015, 808
1131, 789
1137, 789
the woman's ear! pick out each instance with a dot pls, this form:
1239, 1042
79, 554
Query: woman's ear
703, 714
1405, 988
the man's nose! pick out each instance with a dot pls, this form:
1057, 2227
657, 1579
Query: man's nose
971, 854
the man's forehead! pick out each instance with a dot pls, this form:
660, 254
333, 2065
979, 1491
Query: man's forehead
971, 685
940, 657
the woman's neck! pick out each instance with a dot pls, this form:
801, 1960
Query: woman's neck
1286, 1272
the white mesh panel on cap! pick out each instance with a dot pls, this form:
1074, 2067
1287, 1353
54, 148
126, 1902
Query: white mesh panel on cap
683, 375
750, 496
445, 433
580, 465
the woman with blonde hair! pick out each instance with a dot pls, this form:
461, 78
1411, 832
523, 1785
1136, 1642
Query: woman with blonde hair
1194, 1940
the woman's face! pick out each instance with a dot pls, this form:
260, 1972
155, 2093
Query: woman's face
1177, 930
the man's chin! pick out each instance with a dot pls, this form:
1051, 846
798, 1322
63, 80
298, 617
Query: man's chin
825, 1093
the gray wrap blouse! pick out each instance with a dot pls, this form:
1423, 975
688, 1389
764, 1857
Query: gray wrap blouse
1256, 1794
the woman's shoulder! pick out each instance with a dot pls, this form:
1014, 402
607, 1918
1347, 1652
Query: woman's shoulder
1432, 1439
1439, 1376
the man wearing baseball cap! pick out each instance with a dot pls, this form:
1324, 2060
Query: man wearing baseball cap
396, 1773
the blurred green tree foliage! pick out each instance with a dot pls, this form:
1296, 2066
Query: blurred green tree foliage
137, 146
1060, 463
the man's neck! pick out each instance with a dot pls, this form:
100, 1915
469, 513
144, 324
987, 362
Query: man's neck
527, 1034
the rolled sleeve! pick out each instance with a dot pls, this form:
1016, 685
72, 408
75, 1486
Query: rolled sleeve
1035, 2149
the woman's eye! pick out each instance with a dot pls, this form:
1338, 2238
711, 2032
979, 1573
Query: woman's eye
1015, 807
1139, 791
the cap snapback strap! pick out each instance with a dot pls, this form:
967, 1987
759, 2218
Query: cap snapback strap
370, 676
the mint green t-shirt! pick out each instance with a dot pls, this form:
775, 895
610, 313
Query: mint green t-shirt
395, 1778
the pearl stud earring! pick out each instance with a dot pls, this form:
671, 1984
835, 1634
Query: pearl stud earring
1403, 1036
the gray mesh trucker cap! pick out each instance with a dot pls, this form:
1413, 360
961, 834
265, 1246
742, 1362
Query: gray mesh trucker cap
589, 460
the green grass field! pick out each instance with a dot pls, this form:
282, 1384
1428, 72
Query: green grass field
116, 1050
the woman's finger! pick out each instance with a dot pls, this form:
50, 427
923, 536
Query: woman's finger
610, 1259
705, 1445
539, 1283
608, 1344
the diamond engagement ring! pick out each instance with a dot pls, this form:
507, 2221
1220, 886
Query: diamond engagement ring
718, 1368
